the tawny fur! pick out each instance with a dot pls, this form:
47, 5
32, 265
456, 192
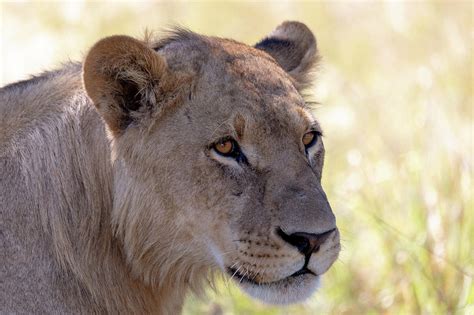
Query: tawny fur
111, 197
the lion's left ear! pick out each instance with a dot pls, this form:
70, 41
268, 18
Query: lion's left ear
293, 46
126, 80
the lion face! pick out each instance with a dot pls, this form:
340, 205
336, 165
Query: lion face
217, 161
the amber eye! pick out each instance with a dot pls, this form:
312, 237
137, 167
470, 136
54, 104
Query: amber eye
225, 147
308, 138
229, 148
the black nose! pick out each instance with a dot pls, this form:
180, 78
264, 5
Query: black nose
307, 243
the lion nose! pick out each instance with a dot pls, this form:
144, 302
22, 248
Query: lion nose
306, 243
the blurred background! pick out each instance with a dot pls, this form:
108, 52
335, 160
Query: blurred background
396, 103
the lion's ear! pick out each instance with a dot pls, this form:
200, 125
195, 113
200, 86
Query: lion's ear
123, 77
293, 46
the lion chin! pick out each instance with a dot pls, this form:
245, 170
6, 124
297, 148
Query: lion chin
295, 288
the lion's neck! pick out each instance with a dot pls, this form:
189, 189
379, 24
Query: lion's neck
113, 282
79, 219
58, 193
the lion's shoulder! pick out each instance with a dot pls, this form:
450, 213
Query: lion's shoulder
26, 104
35, 82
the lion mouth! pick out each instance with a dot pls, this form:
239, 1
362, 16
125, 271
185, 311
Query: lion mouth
234, 273
294, 288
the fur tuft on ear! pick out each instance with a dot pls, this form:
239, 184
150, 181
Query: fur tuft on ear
123, 76
293, 46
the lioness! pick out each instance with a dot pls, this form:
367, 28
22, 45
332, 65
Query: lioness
127, 180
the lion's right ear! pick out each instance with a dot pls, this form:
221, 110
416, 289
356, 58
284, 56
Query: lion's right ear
124, 78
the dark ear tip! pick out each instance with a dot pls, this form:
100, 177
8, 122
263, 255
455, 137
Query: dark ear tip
293, 46
295, 31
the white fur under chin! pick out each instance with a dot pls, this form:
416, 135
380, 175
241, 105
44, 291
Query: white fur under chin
289, 291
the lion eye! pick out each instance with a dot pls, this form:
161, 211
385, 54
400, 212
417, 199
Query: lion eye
309, 138
229, 148
225, 148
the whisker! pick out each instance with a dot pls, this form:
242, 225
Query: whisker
236, 271
229, 252
233, 265
244, 275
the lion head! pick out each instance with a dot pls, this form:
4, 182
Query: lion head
217, 160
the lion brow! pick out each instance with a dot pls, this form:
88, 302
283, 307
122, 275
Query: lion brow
314, 125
